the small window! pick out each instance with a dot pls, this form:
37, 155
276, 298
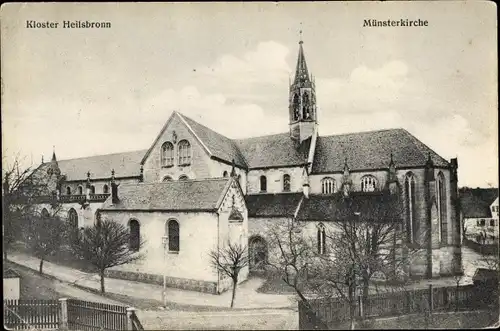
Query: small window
68, 190
92, 189
135, 235
167, 154
105, 189
80, 190
321, 239
286, 183
263, 184
224, 174
483, 222
73, 218
45, 213
167, 179
183, 177
368, 183
327, 185
173, 236
184, 153
492, 222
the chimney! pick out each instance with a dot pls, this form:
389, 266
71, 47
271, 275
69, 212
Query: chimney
114, 188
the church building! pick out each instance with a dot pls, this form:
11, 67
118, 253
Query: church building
194, 189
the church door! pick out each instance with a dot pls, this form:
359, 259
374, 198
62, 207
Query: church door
257, 252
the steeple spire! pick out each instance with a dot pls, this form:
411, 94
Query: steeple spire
302, 77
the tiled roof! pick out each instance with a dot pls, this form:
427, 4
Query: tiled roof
219, 145
100, 166
9, 273
273, 150
174, 195
371, 150
372, 207
475, 203
273, 205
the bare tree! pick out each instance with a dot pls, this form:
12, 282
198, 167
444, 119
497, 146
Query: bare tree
45, 236
230, 260
107, 244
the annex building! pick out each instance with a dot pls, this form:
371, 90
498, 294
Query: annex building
193, 189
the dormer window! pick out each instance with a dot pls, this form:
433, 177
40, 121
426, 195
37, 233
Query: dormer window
167, 154
184, 153
327, 185
368, 183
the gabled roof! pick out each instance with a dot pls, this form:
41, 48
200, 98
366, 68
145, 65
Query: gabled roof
273, 205
475, 203
188, 195
372, 207
372, 150
126, 164
218, 145
273, 151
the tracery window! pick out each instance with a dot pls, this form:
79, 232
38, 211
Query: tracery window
441, 204
167, 154
368, 183
184, 153
327, 185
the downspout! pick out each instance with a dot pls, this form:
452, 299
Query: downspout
218, 240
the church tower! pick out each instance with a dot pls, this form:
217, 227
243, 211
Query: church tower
302, 101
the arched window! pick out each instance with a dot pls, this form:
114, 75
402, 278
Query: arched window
135, 235
441, 204
224, 174
173, 236
296, 107
368, 183
183, 177
327, 185
68, 190
45, 213
286, 183
263, 183
321, 239
305, 106
105, 189
73, 218
411, 224
92, 189
167, 154
80, 189
184, 153
167, 179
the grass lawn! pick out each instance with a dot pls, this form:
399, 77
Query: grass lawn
274, 285
62, 257
33, 286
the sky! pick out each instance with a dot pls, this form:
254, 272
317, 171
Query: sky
228, 65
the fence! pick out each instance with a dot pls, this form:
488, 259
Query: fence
332, 313
69, 314
25, 314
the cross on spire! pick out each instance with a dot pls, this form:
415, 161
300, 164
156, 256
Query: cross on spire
300, 34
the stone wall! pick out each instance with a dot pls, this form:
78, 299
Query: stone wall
275, 179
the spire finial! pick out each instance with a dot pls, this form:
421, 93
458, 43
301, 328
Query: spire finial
42, 158
300, 34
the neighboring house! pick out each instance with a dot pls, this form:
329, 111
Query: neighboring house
479, 212
180, 192
11, 285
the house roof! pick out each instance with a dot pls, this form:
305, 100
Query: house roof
188, 195
371, 206
483, 274
219, 145
475, 203
125, 164
273, 151
9, 273
372, 150
273, 205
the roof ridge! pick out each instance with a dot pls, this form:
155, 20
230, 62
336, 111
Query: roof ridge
180, 181
110, 154
263, 136
362, 132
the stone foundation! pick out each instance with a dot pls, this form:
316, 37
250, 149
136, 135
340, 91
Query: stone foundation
180, 283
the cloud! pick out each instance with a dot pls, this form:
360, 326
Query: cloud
264, 65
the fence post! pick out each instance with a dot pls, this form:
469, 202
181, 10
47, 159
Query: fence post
63, 318
360, 304
431, 299
130, 322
